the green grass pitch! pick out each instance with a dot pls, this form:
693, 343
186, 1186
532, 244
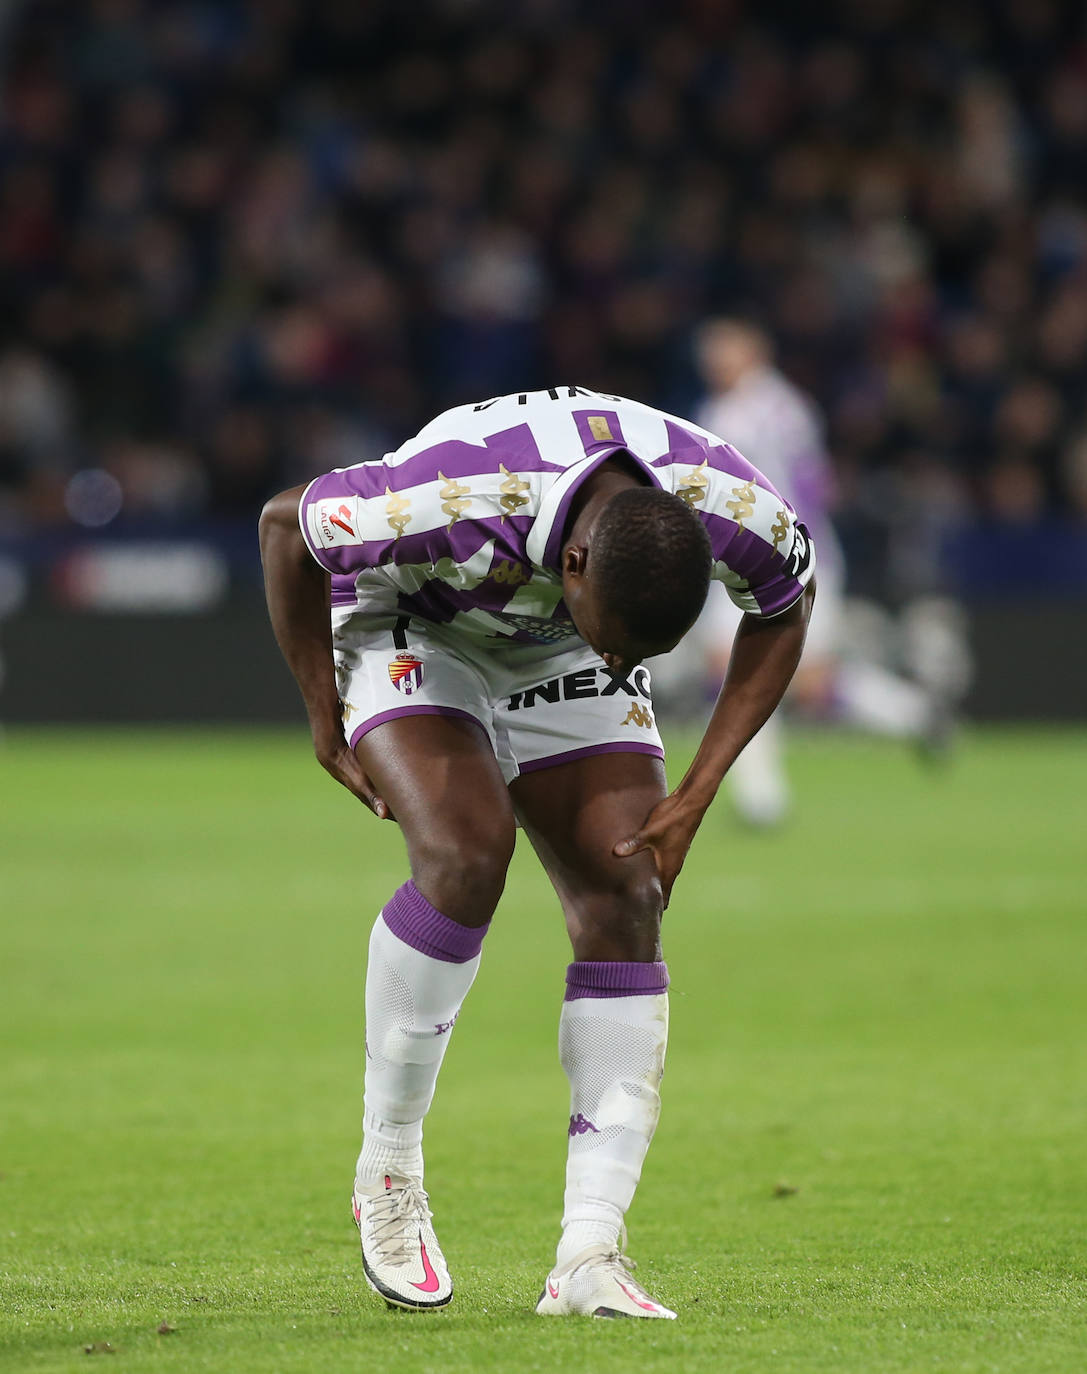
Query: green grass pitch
871, 1155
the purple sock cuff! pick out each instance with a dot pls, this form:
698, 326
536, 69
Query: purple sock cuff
412, 919
615, 980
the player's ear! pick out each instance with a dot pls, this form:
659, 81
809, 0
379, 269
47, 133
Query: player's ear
574, 558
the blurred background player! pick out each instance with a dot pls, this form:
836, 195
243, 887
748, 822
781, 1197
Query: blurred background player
752, 405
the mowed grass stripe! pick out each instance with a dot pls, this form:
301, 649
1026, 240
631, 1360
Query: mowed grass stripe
871, 1151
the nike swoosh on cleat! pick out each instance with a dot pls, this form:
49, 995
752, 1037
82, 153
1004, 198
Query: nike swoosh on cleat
431, 1284
554, 1291
357, 1211
645, 1306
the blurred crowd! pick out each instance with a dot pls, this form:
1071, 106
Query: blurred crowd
242, 241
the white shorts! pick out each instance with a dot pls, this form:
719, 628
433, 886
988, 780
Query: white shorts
537, 706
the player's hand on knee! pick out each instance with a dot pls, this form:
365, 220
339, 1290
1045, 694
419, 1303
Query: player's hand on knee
337, 758
668, 831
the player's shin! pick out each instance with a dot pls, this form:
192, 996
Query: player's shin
612, 1037
420, 967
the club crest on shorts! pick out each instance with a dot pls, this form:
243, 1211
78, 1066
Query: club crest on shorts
406, 673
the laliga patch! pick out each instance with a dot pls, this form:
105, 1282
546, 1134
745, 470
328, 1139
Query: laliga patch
406, 673
335, 521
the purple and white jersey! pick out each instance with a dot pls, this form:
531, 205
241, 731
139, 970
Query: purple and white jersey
779, 427
463, 525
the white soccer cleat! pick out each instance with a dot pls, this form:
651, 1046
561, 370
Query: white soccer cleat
597, 1283
401, 1257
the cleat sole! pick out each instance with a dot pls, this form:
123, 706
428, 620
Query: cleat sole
394, 1299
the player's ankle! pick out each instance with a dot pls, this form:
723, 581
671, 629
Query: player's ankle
579, 1235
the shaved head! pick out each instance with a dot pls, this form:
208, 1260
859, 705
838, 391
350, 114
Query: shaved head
650, 563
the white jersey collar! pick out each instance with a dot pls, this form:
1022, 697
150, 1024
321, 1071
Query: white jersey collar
544, 542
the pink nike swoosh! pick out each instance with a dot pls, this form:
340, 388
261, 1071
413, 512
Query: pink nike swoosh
554, 1291
432, 1283
357, 1211
645, 1306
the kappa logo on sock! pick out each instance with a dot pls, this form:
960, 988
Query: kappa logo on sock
581, 1125
443, 1026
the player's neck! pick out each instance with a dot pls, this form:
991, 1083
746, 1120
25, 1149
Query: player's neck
593, 495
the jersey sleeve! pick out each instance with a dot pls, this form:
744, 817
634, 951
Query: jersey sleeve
762, 553
763, 577
350, 521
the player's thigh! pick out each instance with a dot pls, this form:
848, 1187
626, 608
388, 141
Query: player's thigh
574, 814
439, 775
420, 720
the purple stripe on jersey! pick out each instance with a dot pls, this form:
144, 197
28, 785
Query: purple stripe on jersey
720, 457
343, 590
459, 543
605, 428
600, 979
412, 919
618, 747
757, 562
745, 552
516, 447
366, 726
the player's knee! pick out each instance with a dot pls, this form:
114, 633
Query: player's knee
463, 870
622, 923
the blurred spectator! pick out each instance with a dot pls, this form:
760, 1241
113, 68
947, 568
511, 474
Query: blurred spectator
238, 239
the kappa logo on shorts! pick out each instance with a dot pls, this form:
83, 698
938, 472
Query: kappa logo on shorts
406, 673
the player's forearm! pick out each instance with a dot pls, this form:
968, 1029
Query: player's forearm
297, 590
764, 658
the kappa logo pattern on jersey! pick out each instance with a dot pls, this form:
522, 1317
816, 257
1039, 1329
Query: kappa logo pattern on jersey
486, 488
589, 682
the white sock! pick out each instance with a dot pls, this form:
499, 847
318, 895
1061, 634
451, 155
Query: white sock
874, 698
612, 1037
757, 778
420, 968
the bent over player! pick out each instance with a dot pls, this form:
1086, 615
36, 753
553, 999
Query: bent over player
495, 585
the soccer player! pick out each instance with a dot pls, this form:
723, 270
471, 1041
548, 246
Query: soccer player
495, 585
777, 427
